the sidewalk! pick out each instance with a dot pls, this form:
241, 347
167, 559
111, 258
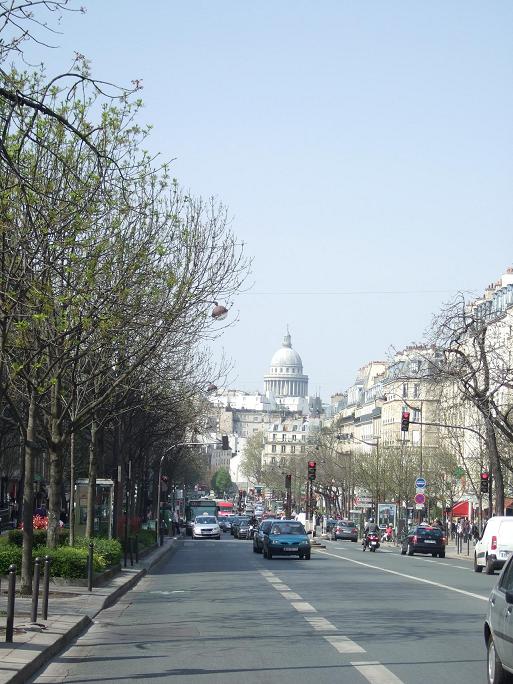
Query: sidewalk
71, 609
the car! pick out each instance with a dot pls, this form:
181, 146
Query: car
242, 531
258, 539
237, 523
286, 538
225, 523
498, 627
329, 524
495, 545
344, 529
206, 527
424, 539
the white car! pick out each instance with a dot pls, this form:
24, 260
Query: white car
206, 527
495, 545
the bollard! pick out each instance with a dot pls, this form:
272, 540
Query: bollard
46, 588
11, 593
125, 551
131, 550
35, 590
90, 567
468, 544
136, 549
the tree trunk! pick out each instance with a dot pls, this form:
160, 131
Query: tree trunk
495, 464
71, 517
91, 488
28, 502
55, 457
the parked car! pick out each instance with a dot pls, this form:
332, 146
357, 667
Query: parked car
424, 539
258, 539
495, 544
498, 627
286, 538
344, 529
205, 527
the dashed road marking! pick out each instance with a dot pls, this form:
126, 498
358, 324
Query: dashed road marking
320, 624
375, 673
266, 573
281, 587
412, 577
273, 580
344, 644
303, 607
291, 596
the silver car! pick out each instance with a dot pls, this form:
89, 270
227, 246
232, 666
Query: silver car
206, 527
498, 627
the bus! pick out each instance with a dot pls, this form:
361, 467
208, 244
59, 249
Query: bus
225, 507
196, 507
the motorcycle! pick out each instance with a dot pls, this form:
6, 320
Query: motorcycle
371, 541
251, 531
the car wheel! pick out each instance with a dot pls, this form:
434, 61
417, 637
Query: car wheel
495, 671
300, 556
307, 555
477, 568
403, 551
434, 555
441, 554
490, 566
354, 540
410, 550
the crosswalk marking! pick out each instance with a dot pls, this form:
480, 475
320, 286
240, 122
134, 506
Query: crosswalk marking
344, 644
375, 673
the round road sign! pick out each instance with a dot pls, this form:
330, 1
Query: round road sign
420, 483
420, 498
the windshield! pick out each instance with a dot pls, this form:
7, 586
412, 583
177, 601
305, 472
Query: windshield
205, 520
288, 528
428, 532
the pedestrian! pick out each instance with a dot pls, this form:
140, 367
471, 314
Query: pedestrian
176, 524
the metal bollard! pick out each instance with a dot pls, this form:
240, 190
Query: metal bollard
131, 551
35, 590
468, 545
11, 593
46, 588
136, 549
90, 567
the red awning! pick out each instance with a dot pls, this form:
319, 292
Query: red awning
463, 509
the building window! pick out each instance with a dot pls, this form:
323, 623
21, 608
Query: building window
303, 438
283, 448
275, 428
283, 437
405, 391
416, 415
273, 460
292, 449
273, 448
274, 438
303, 428
303, 449
293, 438
416, 390
294, 428
282, 461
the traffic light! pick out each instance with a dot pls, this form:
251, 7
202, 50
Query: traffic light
311, 470
405, 421
485, 482
225, 445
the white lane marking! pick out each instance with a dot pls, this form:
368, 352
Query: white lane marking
376, 673
344, 644
273, 580
320, 624
440, 562
303, 607
266, 573
281, 587
291, 596
402, 574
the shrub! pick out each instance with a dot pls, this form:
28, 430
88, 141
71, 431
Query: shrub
16, 537
146, 538
109, 549
70, 562
10, 554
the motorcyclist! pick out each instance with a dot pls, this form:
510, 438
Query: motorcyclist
370, 528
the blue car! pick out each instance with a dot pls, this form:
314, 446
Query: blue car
286, 538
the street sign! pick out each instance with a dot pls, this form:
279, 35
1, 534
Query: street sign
420, 483
420, 499
419, 507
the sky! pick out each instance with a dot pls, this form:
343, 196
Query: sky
363, 148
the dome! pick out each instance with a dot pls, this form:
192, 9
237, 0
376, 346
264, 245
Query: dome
286, 356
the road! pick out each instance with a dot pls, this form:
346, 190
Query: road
216, 612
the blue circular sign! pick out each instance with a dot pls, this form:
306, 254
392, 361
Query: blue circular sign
420, 482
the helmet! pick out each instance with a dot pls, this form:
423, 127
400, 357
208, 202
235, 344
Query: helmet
371, 519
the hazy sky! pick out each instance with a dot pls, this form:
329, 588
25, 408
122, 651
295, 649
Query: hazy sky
364, 149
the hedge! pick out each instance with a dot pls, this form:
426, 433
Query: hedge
109, 549
67, 562
16, 537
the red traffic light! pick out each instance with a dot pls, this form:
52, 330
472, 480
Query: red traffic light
312, 464
405, 421
485, 476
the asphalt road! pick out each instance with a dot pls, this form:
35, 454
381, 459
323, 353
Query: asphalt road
218, 613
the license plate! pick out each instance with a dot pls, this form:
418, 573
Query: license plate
430, 541
291, 548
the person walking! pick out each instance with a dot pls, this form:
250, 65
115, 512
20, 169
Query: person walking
162, 530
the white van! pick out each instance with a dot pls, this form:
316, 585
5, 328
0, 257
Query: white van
495, 545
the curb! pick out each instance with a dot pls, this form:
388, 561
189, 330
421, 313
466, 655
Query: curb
52, 649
